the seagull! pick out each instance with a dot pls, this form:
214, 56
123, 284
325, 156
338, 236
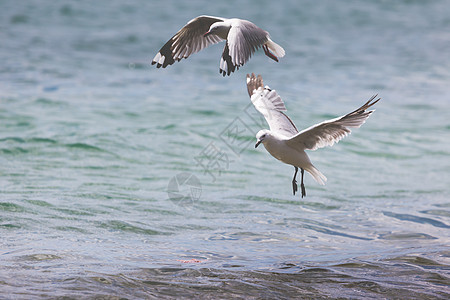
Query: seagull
242, 37
284, 142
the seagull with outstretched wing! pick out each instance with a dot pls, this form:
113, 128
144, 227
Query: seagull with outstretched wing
242, 38
284, 142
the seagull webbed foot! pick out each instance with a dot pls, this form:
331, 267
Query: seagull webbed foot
294, 182
303, 190
302, 185
294, 186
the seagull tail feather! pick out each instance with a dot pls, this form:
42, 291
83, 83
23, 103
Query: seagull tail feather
275, 48
317, 175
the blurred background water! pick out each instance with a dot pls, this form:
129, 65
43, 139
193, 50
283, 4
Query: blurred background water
91, 135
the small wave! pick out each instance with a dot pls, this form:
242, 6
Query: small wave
357, 265
416, 219
41, 140
74, 212
417, 260
316, 205
39, 257
406, 236
84, 146
10, 226
11, 207
384, 154
28, 140
333, 232
437, 212
13, 139
26, 145
205, 112
167, 127
47, 101
126, 227
40, 203
13, 151
71, 229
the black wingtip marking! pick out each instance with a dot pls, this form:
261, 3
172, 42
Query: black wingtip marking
227, 58
166, 52
365, 106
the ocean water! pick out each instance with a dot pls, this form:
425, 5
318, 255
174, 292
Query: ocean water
120, 180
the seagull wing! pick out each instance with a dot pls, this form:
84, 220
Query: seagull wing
332, 131
187, 40
244, 38
270, 105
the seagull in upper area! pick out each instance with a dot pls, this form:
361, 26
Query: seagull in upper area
242, 37
285, 143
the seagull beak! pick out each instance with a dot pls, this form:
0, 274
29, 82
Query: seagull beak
206, 34
257, 144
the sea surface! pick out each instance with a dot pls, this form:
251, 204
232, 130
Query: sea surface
119, 180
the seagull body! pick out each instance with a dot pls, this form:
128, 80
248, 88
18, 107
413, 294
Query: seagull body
242, 38
284, 142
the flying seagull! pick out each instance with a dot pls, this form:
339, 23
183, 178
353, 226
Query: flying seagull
285, 143
242, 37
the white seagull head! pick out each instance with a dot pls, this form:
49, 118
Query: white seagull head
220, 29
262, 136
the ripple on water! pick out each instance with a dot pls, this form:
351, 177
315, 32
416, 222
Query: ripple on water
416, 219
122, 226
437, 212
39, 203
38, 257
11, 207
309, 203
416, 260
13, 151
406, 236
72, 229
84, 146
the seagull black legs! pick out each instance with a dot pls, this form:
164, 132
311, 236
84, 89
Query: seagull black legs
302, 185
294, 182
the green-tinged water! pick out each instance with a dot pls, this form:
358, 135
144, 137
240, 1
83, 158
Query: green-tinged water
118, 179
